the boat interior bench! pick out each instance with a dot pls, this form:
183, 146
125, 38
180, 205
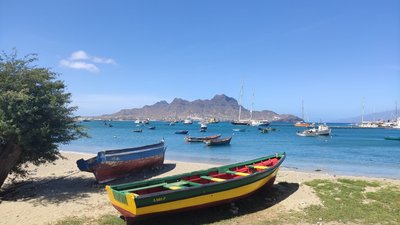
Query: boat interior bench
180, 184
237, 173
257, 167
212, 178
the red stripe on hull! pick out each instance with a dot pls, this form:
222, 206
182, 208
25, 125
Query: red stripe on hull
130, 218
112, 170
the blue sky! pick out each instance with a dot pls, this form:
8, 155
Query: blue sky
126, 54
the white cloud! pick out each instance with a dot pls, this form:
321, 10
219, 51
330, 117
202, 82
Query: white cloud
80, 60
79, 65
79, 55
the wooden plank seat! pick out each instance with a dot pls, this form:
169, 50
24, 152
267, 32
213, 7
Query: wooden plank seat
180, 184
237, 173
212, 178
258, 167
145, 187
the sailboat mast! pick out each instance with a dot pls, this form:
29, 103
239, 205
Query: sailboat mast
252, 105
363, 108
302, 109
240, 101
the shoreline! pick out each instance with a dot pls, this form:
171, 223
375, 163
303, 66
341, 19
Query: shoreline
63, 190
289, 168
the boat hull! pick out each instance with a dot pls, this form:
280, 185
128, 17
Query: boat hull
201, 139
133, 206
198, 202
113, 164
109, 171
216, 142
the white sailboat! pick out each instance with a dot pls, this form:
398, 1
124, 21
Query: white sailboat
239, 121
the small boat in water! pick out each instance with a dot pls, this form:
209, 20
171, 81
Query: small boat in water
302, 124
308, 133
219, 141
201, 139
239, 129
203, 127
241, 122
138, 130
113, 164
322, 130
392, 138
152, 128
193, 190
181, 132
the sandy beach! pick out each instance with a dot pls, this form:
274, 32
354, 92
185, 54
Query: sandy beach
57, 191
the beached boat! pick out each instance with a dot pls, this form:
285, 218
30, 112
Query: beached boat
194, 190
392, 138
219, 141
201, 139
181, 132
113, 164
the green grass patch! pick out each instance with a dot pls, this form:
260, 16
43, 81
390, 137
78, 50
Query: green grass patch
103, 220
71, 221
110, 220
356, 201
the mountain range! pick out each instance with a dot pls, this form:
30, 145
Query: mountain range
220, 107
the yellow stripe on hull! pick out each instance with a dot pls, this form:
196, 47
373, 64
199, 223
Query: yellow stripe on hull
189, 202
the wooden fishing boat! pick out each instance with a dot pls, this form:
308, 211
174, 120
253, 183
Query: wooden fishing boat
113, 164
181, 132
392, 138
219, 141
201, 139
194, 190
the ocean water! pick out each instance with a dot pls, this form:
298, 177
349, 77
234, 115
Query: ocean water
348, 151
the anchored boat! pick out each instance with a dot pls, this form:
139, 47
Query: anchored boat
219, 141
194, 190
113, 164
201, 139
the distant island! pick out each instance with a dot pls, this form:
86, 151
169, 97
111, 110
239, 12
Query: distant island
220, 107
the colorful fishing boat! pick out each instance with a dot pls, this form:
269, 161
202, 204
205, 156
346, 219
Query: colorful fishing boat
219, 141
201, 139
113, 164
194, 190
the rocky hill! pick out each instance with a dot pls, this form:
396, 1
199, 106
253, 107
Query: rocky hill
221, 107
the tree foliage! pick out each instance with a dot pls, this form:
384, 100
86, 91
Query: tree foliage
35, 113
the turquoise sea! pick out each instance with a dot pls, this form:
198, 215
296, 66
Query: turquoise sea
348, 151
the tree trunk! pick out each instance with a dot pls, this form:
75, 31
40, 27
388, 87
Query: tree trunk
9, 156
